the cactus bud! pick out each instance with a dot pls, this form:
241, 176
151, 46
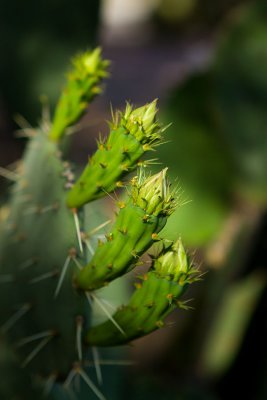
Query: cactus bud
132, 133
173, 264
142, 121
82, 86
142, 217
153, 194
152, 300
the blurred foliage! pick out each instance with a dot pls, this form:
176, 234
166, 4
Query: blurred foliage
218, 149
193, 14
37, 40
233, 316
241, 96
195, 155
218, 140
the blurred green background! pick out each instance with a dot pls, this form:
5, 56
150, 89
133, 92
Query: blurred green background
206, 61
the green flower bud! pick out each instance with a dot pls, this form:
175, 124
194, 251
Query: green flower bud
134, 231
82, 86
142, 123
153, 300
174, 264
132, 134
153, 194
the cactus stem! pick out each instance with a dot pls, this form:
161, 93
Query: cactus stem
45, 276
77, 227
15, 318
28, 263
37, 349
32, 210
10, 175
62, 275
79, 328
25, 133
34, 337
25, 198
52, 207
91, 385
97, 366
90, 297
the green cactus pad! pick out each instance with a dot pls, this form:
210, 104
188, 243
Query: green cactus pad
135, 230
82, 86
45, 292
37, 240
132, 134
151, 302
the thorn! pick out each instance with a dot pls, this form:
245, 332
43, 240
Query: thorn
78, 265
46, 118
108, 304
98, 228
77, 226
28, 263
48, 386
22, 122
36, 350
79, 327
34, 337
25, 133
91, 385
42, 277
72, 374
62, 275
103, 308
10, 175
108, 194
97, 365
53, 207
15, 317
77, 383
89, 247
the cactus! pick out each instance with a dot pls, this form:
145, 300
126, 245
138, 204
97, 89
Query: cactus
47, 277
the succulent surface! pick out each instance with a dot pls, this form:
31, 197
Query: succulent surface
47, 279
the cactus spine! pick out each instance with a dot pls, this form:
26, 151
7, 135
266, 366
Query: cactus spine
46, 277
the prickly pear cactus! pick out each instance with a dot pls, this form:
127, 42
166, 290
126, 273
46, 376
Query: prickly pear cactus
48, 279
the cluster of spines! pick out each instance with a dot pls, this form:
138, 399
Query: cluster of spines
132, 134
140, 218
155, 297
83, 85
137, 225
